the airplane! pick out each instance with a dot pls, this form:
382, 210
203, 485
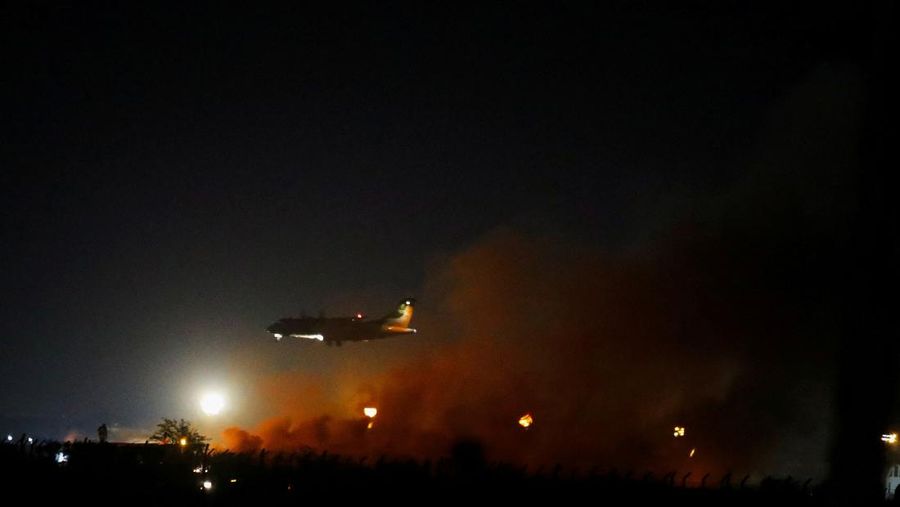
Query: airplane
336, 330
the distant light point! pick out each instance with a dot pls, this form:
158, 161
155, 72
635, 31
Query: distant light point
526, 421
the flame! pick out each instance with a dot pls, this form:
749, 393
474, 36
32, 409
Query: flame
370, 412
526, 420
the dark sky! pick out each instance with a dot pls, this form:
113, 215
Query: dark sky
174, 179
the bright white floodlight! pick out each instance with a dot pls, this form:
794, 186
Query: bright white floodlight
212, 403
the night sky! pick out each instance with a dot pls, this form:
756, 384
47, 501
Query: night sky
175, 179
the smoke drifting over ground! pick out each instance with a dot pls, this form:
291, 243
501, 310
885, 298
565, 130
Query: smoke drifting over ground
722, 325
607, 352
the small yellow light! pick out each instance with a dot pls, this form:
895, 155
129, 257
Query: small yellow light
526, 421
691, 455
889, 438
370, 425
183, 441
679, 431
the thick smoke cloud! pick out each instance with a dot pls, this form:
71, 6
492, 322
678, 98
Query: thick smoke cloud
608, 352
724, 323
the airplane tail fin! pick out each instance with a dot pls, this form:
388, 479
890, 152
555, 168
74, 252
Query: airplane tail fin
400, 317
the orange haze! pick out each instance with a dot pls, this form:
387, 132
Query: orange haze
606, 352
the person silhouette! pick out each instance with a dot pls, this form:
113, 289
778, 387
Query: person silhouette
102, 432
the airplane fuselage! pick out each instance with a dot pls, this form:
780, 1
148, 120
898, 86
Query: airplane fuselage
341, 329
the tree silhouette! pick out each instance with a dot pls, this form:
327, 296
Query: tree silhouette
171, 431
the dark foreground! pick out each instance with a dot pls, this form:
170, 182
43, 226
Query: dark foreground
147, 474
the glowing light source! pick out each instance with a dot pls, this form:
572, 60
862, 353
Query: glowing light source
679, 431
62, 457
9, 438
212, 403
319, 337
370, 425
526, 421
370, 412
889, 438
277, 336
691, 455
30, 440
183, 441
207, 485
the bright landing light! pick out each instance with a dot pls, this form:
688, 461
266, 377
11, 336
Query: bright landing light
319, 337
212, 403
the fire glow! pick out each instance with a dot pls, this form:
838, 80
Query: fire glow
526, 421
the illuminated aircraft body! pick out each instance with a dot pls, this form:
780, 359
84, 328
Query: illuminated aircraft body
347, 329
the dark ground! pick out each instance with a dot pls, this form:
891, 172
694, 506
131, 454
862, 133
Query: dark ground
150, 474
